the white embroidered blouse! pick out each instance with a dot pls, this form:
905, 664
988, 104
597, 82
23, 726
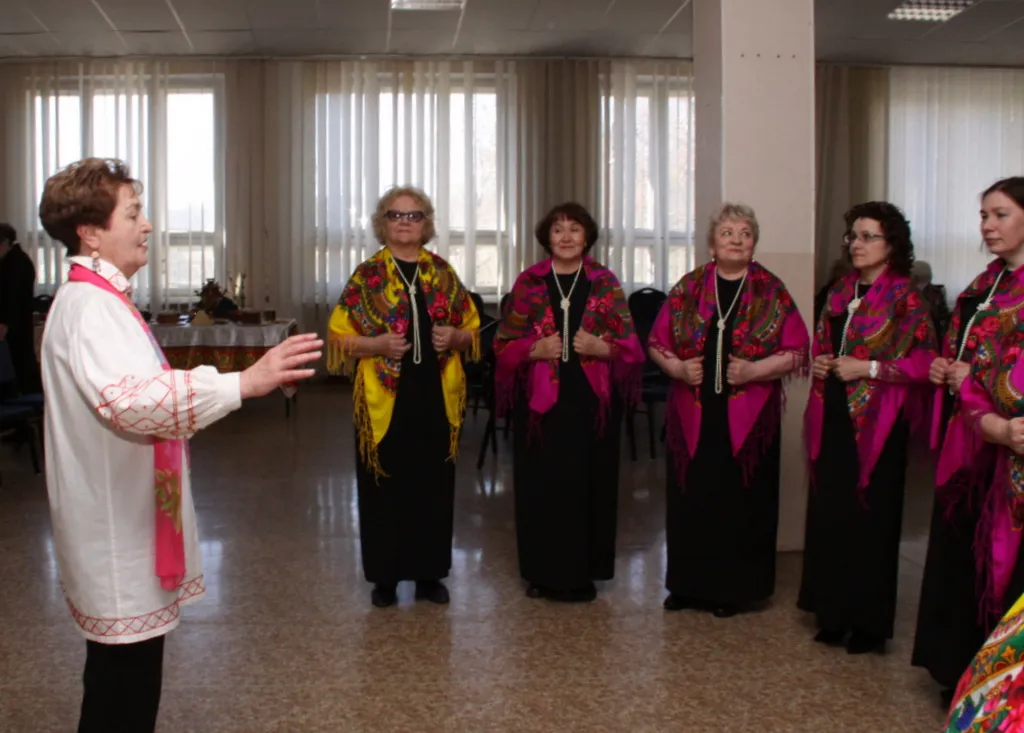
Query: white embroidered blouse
107, 398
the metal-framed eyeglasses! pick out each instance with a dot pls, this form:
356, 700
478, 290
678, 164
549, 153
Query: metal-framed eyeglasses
866, 237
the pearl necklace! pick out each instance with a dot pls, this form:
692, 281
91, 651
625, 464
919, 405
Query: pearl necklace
851, 308
417, 351
719, 345
565, 308
983, 305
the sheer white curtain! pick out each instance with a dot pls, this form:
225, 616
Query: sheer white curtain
646, 171
952, 133
852, 132
493, 143
346, 131
163, 119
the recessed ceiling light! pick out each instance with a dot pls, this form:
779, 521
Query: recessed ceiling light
932, 11
427, 4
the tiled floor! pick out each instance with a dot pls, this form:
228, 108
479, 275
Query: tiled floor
286, 639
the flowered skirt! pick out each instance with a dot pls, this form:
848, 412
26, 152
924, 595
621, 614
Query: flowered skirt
990, 696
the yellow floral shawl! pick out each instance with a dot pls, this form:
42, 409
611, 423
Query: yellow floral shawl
375, 302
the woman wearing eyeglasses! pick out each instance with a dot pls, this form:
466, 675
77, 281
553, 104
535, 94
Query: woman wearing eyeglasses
397, 329
872, 350
567, 354
728, 335
970, 569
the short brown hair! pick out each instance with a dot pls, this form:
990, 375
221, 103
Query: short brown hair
570, 211
380, 226
83, 193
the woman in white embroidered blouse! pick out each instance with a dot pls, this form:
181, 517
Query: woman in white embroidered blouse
117, 421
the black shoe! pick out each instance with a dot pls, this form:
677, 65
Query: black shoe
433, 591
535, 591
725, 611
861, 643
676, 602
946, 698
832, 637
383, 596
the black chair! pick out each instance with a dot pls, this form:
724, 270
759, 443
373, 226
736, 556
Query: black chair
42, 303
644, 305
476, 371
489, 390
19, 414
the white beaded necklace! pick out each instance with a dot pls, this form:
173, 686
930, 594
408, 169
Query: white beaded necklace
719, 386
851, 308
565, 308
417, 351
983, 305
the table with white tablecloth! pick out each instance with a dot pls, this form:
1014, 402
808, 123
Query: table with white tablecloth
230, 347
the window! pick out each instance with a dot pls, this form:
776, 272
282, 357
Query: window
171, 142
647, 177
952, 133
435, 130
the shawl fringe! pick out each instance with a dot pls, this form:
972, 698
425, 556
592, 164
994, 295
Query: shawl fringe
364, 427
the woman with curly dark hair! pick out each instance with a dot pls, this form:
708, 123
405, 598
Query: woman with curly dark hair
566, 350
872, 350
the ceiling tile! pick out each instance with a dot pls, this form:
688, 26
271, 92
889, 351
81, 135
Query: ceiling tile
297, 43
425, 42
428, 20
649, 16
139, 15
977, 22
671, 45
498, 15
227, 43
157, 43
205, 15
29, 44
683, 22
1012, 34
106, 43
80, 17
353, 14
282, 14
569, 16
18, 19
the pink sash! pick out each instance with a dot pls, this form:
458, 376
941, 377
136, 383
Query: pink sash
167, 468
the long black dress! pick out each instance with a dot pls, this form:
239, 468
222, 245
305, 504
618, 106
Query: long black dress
852, 540
566, 475
720, 532
405, 518
949, 632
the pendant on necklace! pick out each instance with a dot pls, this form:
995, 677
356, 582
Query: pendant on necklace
565, 304
854, 305
721, 324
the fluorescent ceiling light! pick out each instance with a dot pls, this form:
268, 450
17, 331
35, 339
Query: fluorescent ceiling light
932, 11
427, 4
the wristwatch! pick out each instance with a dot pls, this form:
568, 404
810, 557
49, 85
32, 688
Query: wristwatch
873, 370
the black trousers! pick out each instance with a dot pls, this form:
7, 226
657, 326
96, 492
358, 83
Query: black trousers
122, 687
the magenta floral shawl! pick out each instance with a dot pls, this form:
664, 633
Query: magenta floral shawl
529, 317
767, 323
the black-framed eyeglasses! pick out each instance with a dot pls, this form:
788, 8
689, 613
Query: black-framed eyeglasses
413, 216
851, 237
